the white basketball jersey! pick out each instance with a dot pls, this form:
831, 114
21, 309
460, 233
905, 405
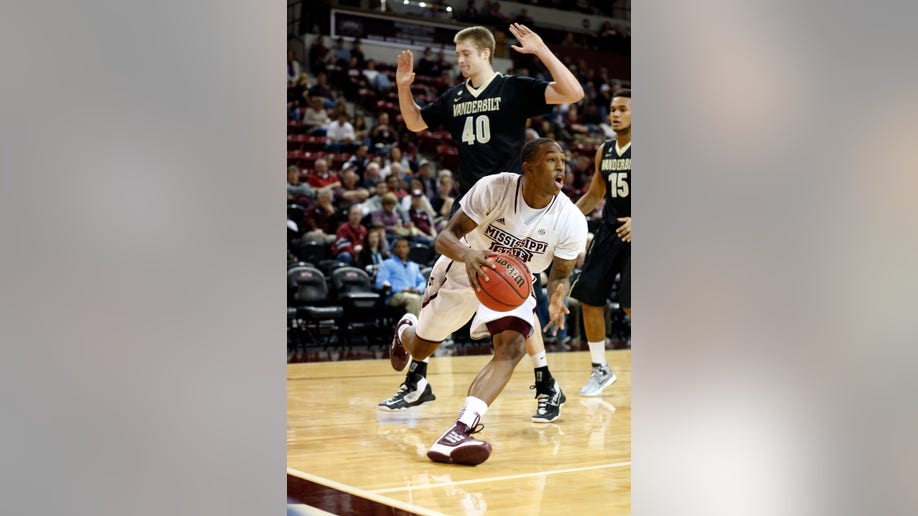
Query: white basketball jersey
506, 224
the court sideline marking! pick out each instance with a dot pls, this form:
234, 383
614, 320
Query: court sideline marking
495, 479
369, 495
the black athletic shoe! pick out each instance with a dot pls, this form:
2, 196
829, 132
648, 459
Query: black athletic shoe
409, 395
549, 404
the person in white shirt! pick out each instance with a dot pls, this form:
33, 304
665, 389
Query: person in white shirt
340, 135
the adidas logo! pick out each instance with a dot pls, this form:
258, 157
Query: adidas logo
453, 438
501, 221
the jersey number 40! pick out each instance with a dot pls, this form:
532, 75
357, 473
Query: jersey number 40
479, 130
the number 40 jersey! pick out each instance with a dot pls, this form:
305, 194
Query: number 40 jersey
488, 124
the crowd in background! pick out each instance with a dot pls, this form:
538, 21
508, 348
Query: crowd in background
359, 182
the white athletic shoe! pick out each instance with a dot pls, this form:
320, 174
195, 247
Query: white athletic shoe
600, 378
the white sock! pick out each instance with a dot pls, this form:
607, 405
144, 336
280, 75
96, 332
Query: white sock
598, 352
401, 331
539, 360
473, 411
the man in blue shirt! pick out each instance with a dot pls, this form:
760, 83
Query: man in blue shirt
405, 278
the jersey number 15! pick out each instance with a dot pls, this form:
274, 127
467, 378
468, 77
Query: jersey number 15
618, 184
479, 130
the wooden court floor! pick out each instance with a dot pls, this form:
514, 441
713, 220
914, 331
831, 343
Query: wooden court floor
346, 457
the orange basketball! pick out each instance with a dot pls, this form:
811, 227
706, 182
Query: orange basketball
509, 284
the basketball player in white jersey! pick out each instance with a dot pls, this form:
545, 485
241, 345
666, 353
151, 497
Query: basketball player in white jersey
523, 215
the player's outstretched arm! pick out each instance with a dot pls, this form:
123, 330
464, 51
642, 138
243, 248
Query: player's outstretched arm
404, 76
559, 284
565, 88
587, 203
448, 244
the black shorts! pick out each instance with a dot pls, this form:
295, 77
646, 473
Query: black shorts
608, 255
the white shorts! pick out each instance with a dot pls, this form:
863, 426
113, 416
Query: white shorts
449, 302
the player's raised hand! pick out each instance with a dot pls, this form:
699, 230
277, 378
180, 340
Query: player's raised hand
624, 231
530, 42
557, 309
475, 262
404, 74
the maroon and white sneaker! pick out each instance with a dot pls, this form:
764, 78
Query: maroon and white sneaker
457, 446
398, 356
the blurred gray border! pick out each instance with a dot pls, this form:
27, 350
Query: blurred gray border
774, 264
141, 148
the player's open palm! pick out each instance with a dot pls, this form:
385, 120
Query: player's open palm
557, 310
404, 74
530, 42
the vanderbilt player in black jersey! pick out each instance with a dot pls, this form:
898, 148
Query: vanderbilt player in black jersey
610, 253
486, 116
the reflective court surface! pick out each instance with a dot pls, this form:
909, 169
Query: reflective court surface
344, 456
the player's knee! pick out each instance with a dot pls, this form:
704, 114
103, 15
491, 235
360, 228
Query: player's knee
509, 345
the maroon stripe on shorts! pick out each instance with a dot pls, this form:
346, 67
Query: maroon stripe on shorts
510, 323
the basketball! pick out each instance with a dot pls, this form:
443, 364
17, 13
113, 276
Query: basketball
509, 284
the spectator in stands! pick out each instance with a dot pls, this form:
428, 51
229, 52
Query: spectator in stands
496, 16
340, 134
322, 178
315, 118
349, 193
470, 13
379, 81
322, 90
298, 192
361, 134
523, 18
395, 157
374, 250
427, 66
299, 91
358, 53
602, 101
395, 180
405, 203
294, 111
422, 216
360, 160
396, 223
321, 220
371, 177
294, 67
374, 203
573, 122
426, 177
383, 135
403, 277
581, 173
591, 118
443, 202
319, 56
349, 237
342, 53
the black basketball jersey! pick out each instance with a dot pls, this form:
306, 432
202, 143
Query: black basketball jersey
488, 124
616, 171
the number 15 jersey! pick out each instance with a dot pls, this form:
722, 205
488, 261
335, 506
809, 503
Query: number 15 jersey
488, 124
